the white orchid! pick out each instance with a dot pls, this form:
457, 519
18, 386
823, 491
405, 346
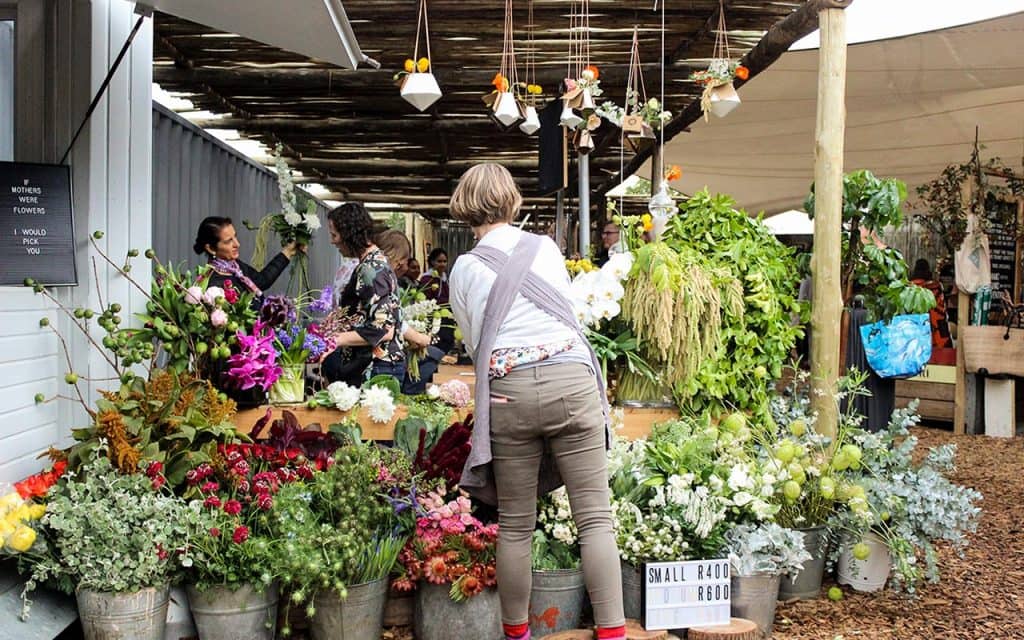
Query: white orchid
312, 221
618, 266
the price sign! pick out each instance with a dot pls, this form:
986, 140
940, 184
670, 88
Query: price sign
36, 224
679, 595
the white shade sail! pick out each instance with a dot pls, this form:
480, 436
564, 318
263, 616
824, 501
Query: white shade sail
912, 107
790, 223
315, 28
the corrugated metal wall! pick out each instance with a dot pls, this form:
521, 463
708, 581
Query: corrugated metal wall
196, 175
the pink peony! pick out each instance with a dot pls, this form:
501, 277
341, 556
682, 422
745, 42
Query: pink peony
193, 295
211, 294
218, 318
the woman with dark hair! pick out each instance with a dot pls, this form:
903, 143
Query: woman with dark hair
368, 343
435, 281
217, 239
922, 276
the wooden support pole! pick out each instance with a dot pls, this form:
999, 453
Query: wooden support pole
583, 165
827, 309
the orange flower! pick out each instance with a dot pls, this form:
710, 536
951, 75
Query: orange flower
673, 173
499, 82
742, 72
593, 69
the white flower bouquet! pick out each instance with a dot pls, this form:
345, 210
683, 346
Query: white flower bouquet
556, 539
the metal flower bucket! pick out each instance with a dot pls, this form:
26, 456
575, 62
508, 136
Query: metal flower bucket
141, 615
556, 601
357, 616
223, 613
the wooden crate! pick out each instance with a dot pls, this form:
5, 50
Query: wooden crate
935, 388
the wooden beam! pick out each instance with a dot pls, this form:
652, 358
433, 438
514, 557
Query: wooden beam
779, 38
328, 126
387, 166
826, 260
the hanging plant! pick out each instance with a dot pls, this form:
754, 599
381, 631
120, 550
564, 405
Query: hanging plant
641, 117
720, 96
417, 82
529, 90
582, 82
505, 108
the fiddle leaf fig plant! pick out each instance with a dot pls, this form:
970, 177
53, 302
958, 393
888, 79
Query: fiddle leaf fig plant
877, 272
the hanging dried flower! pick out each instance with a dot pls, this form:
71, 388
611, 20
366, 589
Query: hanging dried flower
742, 72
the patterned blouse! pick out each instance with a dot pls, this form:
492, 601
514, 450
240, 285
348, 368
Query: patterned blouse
504, 360
371, 301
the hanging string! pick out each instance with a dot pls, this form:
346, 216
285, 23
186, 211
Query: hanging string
531, 63
661, 130
721, 38
572, 38
423, 21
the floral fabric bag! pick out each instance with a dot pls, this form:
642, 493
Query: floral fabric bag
899, 349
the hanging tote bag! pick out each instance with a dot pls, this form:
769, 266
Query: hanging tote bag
973, 259
899, 349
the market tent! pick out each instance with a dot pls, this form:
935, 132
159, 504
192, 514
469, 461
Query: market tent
912, 103
790, 223
316, 28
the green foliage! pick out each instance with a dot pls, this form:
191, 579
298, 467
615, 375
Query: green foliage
388, 382
872, 204
755, 340
111, 532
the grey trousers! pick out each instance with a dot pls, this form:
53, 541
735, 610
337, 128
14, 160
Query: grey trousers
559, 404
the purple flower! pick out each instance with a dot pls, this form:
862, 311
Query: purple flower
256, 363
324, 303
277, 311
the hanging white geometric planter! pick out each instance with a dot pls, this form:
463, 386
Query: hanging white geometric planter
724, 99
569, 118
421, 90
506, 109
531, 124
587, 102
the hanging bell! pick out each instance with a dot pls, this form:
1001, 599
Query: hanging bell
724, 99
421, 90
506, 110
569, 119
531, 124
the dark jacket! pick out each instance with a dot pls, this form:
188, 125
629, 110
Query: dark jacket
263, 279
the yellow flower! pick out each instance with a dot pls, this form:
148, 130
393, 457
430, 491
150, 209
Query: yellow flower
423, 65
18, 514
36, 511
6, 528
647, 222
410, 65
10, 500
22, 539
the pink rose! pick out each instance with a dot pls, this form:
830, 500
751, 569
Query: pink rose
193, 295
218, 318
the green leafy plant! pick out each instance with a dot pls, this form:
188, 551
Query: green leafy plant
871, 204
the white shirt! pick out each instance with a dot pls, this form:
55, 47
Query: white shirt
526, 325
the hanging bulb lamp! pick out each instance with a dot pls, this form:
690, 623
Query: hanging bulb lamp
421, 90
724, 99
531, 123
506, 110
661, 203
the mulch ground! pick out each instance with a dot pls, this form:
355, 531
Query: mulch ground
980, 596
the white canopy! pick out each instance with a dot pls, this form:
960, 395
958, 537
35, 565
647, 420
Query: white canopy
912, 104
315, 28
790, 223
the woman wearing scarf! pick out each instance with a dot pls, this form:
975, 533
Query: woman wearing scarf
217, 239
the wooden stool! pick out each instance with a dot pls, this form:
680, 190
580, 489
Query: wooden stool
737, 629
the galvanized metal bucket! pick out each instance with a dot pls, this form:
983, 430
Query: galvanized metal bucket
632, 585
754, 598
357, 616
141, 615
222, 613
807, 585
438, 617
556, 601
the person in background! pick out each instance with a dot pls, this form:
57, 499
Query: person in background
435, 281
412, 274
397, 248
610, 243
369, 344
922, 277
537, 390
216, 238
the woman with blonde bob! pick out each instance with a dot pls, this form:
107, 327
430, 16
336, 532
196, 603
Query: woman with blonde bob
541, 414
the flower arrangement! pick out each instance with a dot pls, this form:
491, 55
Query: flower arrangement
425, 316
338, 529
911, 505
296, 222
596, 295
112, 532
37, 485
765, 548
378, 396
449, 546
256, 363
235, 544
719, 72
556, 542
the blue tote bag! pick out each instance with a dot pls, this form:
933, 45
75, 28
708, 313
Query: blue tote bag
899, 349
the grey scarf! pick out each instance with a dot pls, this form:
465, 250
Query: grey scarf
514, 277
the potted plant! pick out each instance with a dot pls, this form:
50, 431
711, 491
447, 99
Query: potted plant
450, 561
760, 554
340, 539
556, 600
913, 506
116, 541
232, 586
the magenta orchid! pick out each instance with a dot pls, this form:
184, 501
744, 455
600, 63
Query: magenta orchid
256, 363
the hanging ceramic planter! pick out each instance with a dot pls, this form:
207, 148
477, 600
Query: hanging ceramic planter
531, 122
569, 119
723, 99
417, 82
507, 111
504, 107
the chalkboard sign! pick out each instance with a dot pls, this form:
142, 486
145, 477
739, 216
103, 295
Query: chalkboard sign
37, 237
679, 595
1002, 243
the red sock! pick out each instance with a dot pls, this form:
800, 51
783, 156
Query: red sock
611, 633
518, 631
